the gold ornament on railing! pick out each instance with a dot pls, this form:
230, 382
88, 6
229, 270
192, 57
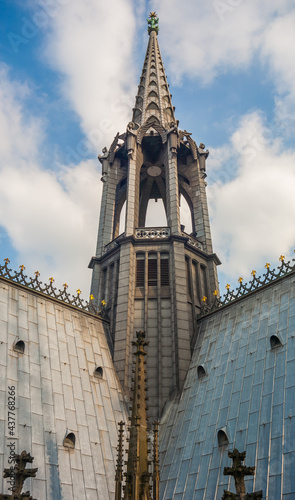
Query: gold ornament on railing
48, 288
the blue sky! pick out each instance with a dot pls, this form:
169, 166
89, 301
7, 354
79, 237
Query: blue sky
69, 73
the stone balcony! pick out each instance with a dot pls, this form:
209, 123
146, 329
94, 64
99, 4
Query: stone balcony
152, 233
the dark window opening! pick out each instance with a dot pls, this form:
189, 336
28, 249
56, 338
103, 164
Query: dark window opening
222, 440
188, 278
70, 441
19, 347
103, 284
203, 276
140, 270
98, 372
164, 270
275, 342
111, 287
152, 270
201, 371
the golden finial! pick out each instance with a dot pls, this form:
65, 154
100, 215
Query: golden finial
65, 285
37, 274
215, 293
153, 14
204, 299
91, 297
78, 291
267, 265
227, 286
22, 267
103, 303
51, 280
282, 258
240, 280
253, 272
7, 261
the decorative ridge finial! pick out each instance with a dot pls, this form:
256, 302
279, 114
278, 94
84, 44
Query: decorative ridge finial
119, 469
153, 21
139, 481
239, 471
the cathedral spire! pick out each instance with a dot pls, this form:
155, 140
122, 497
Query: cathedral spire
138, 477
139, 481
153, 100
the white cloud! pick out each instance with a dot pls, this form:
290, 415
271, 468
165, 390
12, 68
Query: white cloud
203, 40
50, 216
90, 44
278, 49
20, 135
253, 214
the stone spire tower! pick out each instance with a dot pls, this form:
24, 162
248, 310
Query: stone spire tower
154, 278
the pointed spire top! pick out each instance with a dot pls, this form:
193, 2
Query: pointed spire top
153, 21
153, 102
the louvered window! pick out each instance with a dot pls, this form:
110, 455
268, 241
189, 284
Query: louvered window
152, 270
164, 270
203, 273
188, 278
103, 284
111, 286
140, 270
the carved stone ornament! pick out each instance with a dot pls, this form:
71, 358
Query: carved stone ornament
239, 471
202, 155
19, 474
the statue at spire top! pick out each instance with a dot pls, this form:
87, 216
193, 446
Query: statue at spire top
153, 21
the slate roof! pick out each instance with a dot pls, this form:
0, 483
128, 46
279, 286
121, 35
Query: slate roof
248, 391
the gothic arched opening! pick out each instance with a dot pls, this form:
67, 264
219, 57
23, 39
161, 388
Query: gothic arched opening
122, 218
155, 214
185, 215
